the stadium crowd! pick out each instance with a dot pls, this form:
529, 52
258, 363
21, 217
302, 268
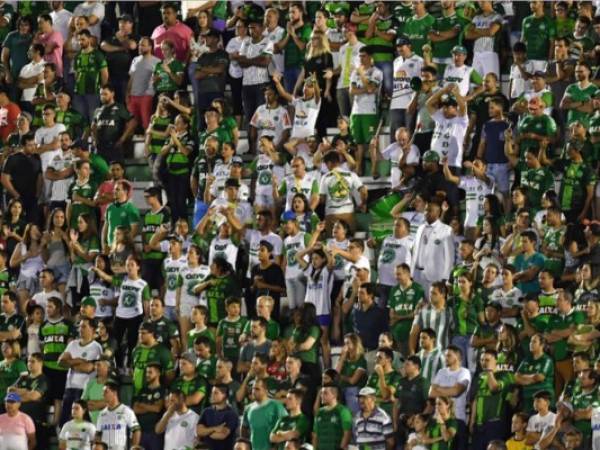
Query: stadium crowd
370, 225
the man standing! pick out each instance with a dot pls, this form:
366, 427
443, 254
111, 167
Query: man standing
149, 349
112, 126
333, 422
406, 66
368, 321
79, 357
535, 373
148, 405
173, 30
538, 34
411, 395
578, 96
446, 32
461, 74
403, 299
365, 86
483, 30
91, 72
211, 72
121, 212
293, 426
372, 427
60, 173
293, 45
14, 50
140, 90
261, 416
218, 424
454, 381
31, 75
16, 428
254, 58
433, 251
52, 41
47, 139
178, 423
117, 424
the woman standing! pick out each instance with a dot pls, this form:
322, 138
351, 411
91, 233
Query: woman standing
197, 48
55, 247
78, 433
11, 366
352, 367
190, 275
84, 245
235, 71
27, 257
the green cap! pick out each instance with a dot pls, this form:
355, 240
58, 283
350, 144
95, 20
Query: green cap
459, 49
431, 156
88, 301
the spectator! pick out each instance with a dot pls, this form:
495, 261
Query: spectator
178, 423
535, 373
148, 406
93, 11
120, 213
14, 51
117, 423
539, 32
380, 432
77, 431
446, 33
9, 112
17, 428
327, 431
293, 45
430, 354
140, 91
175, 31
52, 41
218, 424
30, 76
93, 392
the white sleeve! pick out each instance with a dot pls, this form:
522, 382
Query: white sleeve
464, 378
98, 11
131, 419
413, 155
277, 247
63, 432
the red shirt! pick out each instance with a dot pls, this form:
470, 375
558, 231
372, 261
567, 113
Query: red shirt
8, 119
179, 34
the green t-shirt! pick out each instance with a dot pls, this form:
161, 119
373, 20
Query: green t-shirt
142, 356
226, 286
403, 302
94, 391
543, 365
149, 396
230, 331
434, 431
158, 124
466, 314
120, 214
207, 368
178, 163
442, 49
573, 189
489, 404
152, 221
189, 387
298, 337
54, 337
383, 50
207, 332
297, 423
537, 34
99, 168
273, 329
17, 45
576, 94
416, 29
260, 419
9, 374
543, 125
5, 281
72, 120
86, 190
166, 330
560, 348
349, 368
330, 425
165, 83
292, 55
392, 379
537, 181
583, 400
87, 66
14, 321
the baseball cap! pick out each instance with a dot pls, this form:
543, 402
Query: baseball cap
459, 49
366, 391
237, 160
12, 397
431, 156
289, 215
88, 301
402, 40
126, 17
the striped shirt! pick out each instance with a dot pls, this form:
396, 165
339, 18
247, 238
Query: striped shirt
441, 321
254, 75
371, 432
431, 363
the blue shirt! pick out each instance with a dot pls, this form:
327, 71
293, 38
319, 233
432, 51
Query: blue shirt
369, 325
212, 417
522, 263
493, 133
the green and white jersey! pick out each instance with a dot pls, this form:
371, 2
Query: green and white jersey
101, 291
393, 251
265, 169
475, 192
290, 186
486, 43
404, 70
230, 332
537, 181
188, 278
416, 29
508, 299
78, 434
338, 187
224, 248
339, 263
578, 94
463, 76
171, 268
291, 246
366, 103
132, 294
537, 34
115, 426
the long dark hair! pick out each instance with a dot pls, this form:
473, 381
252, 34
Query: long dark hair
50, 224
91, 226
309, 317
495, 233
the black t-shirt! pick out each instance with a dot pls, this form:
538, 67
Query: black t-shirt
110, 123
119, 62
318, 64
214, 83
212, 417
412, 395
271, 275
24, 171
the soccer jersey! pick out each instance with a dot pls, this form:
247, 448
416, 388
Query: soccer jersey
85, 189
100, 291
290, 186
393, 153
403, 302
224, 248
253, 237
254, 75
508, 299
142, 356
291, 246
338, 187
132, 294
54, 337
171, 269
475, 192
416, 29
431, 363
115, 425
181, 431
87, 66
47, 135
485, 43
448, 137
543, 365
330, 425
537, 34
187, 279
463, 76
120, 214
151, 223
78, 435
366, 103
265, 169
271, 122
305, 117
318, 289
89, 352
404, 71
393, 252
230, 331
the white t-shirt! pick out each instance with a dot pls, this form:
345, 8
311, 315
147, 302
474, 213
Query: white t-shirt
459, 75
271, 122
45, 135
448, 378
29, 70
485, 44
518, 84
307, 185
291, 246
90, 352
41, 298
60, 188
78, 435
339, 266
318, 290
277, 60
394, 251
189, 278
233, 46
366, 103
60, 22
393, 153
181, 431
475, 190
449, 136
254, 75
338, 187
542, 425
305, 117
508, 299
404, 70
91, 9
101, 291
171, 269
225, 248
115, 426
131, 296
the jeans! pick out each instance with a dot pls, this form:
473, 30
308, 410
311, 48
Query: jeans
500, 172
296, 291
131, 327
252, 98
387, 67
178, 189
290, 76
200, 209
86, 105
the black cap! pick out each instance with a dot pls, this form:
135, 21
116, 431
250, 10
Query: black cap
402, 40
266, 244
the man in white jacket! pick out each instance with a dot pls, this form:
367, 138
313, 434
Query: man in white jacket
433, 252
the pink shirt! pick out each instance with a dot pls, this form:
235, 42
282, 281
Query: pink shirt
14, 431
56, 55
179, 34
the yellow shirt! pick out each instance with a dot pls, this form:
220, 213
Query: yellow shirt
513, 444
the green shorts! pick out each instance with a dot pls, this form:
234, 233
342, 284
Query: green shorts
363, 127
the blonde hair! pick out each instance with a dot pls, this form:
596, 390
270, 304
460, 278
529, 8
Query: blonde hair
266, 298
321, 49
15, 347
357, 342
